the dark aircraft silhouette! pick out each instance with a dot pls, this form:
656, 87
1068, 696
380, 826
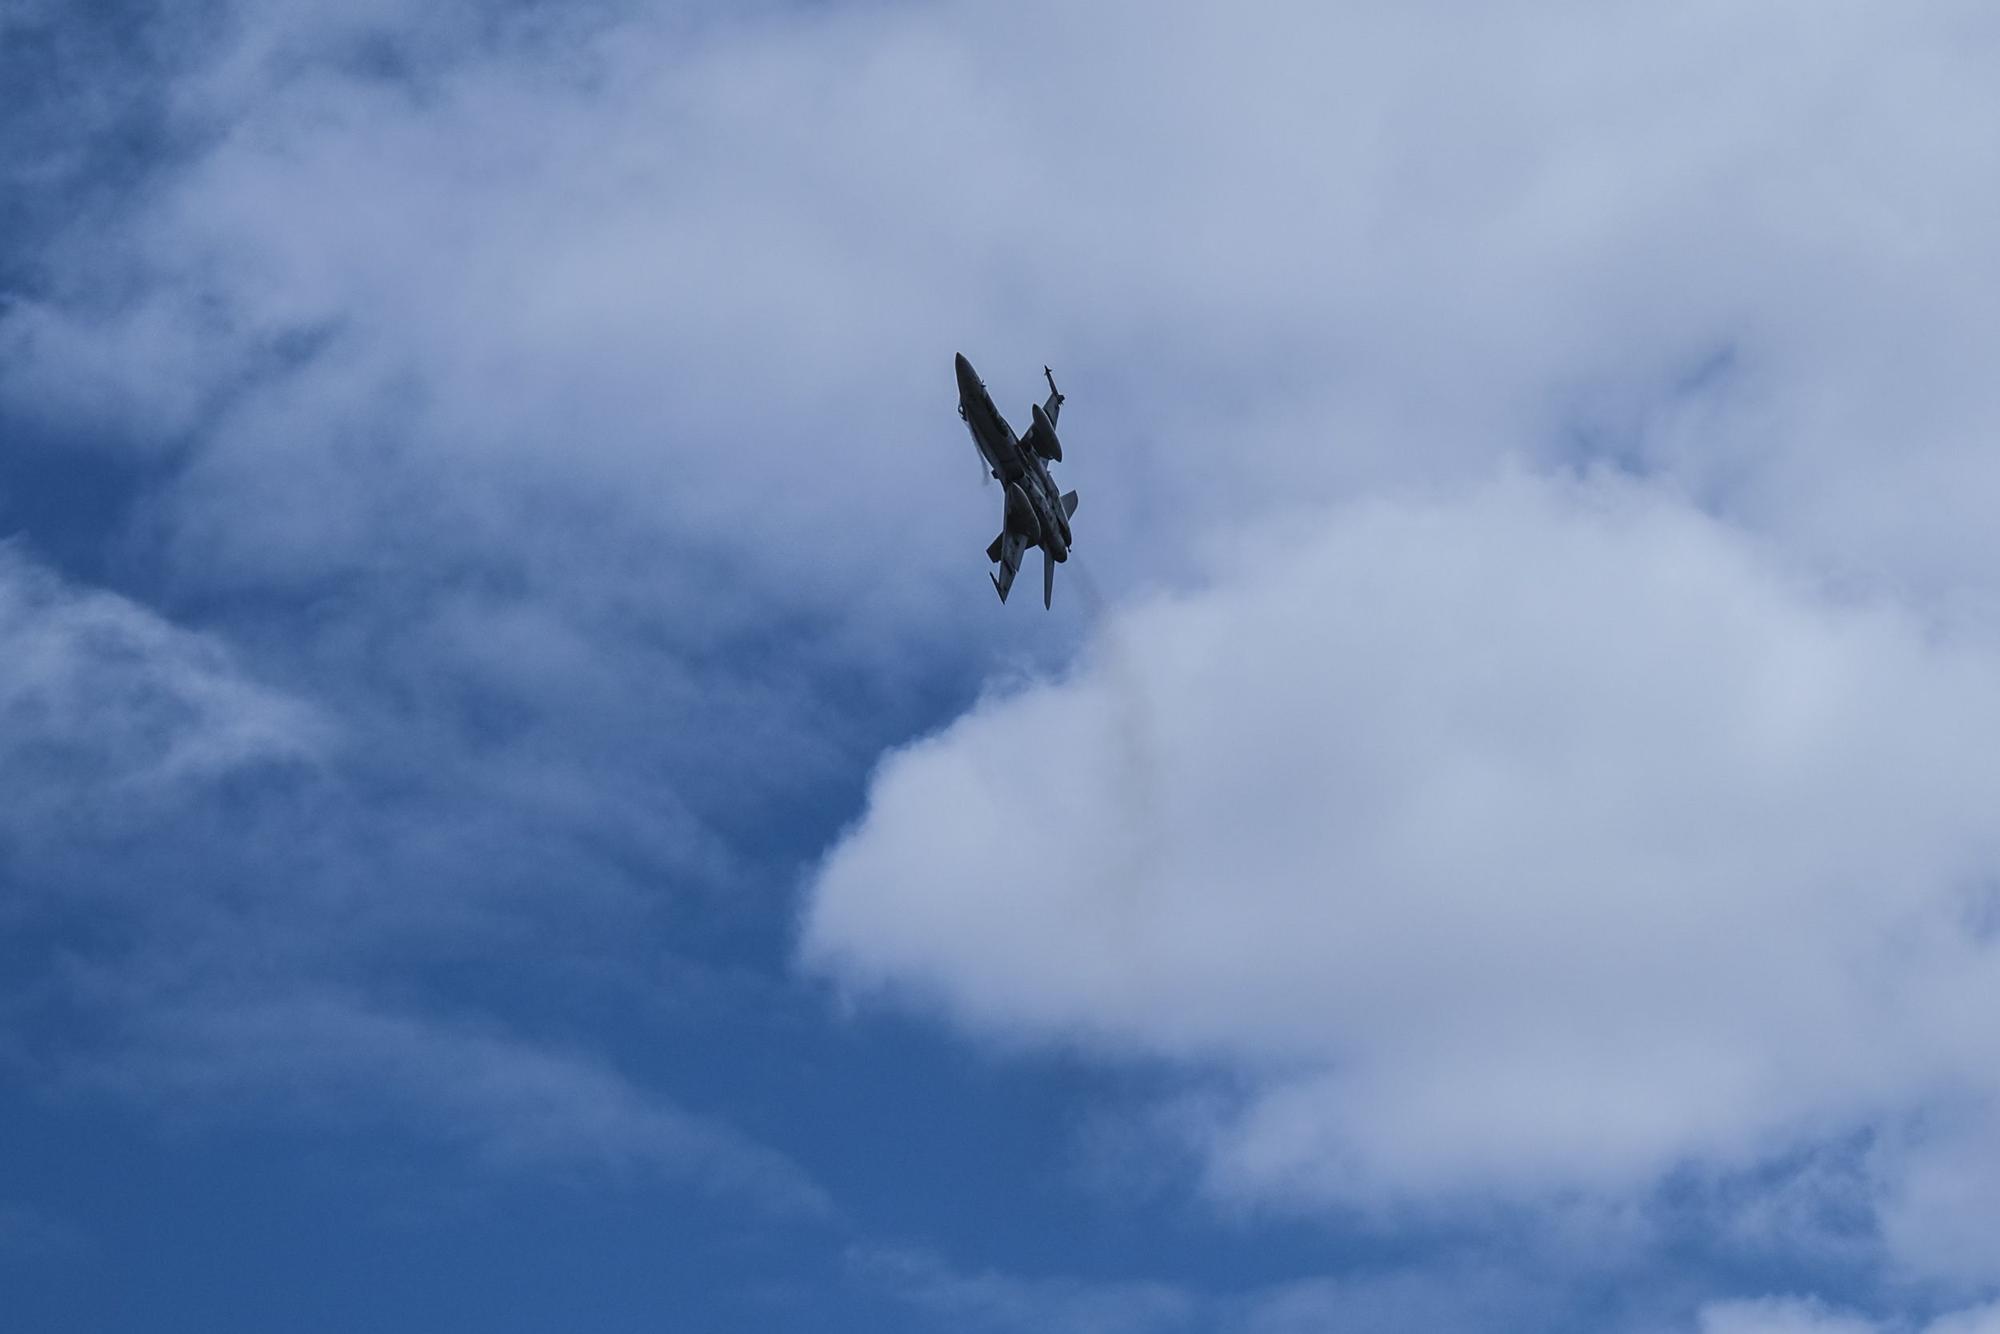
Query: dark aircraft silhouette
1034, 515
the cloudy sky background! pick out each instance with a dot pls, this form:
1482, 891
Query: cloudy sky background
518, 808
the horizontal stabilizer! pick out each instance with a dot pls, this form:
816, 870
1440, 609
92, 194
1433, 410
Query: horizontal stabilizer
1006, 552
1069, 504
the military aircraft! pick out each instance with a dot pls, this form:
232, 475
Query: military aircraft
1034, 514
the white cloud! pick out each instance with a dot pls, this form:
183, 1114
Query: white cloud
715, 268
690, 283
1539, 839
1974, 1320
1938, 1181
1794, 1315
1781, 1315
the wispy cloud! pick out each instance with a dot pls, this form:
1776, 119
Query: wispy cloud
1449, 1294
513, 1105
1003, 1303
108, 706
1798, 1315
118, 726
32, 1236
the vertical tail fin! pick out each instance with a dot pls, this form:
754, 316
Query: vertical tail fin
1048, 579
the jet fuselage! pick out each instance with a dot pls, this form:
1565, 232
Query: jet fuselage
1010, 460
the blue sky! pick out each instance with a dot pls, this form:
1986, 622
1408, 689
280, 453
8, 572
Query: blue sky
520, 810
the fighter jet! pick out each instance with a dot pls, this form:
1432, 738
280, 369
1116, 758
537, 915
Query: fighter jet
1034, 514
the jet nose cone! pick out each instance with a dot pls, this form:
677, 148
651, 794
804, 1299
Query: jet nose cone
966, 378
